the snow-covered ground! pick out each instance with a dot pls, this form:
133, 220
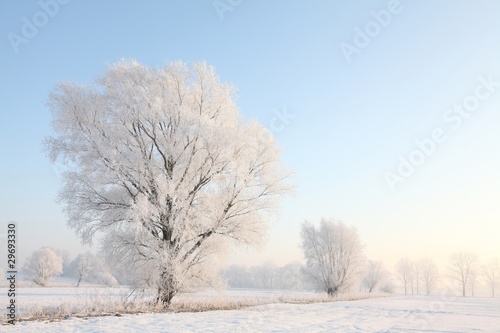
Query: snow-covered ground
389, 314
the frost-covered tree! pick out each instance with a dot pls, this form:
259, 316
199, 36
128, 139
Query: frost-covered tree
88, 267
82, 266
42, 265
101, 273
66, 258
429, 274
161, 162
333, 253
416, 275
491, 272
237, 276
462, 265
388, 284
290, 276
404, 269
473, 277
265, 276
374, 274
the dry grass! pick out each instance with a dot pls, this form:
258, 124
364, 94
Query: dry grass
190, 304
102, 304
184, 305
90, 305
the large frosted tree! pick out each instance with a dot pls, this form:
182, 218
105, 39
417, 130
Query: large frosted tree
161, 163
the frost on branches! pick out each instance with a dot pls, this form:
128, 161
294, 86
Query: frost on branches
42, 265
161, 162
333, 253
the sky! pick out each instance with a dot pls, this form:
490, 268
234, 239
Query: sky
387, 111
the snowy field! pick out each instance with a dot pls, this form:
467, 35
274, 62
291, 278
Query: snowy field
388, 314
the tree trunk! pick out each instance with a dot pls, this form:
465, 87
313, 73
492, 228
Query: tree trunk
332, 291
463, 290
164, 298
166, 289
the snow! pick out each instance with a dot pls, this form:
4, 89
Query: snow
54, 296
388, 314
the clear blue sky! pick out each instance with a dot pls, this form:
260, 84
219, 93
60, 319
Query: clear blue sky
352, 119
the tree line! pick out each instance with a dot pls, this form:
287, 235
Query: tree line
339, 245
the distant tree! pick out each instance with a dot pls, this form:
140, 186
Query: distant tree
472, 281
491, 272
375, 273
416, 275
101, 273
291, 276
161, 162
268, 273
237, 276
429, 273
461, 268
66, 258
42, 265
83, 266
388, 285
404, 269
333, 253
88, 267
265, 276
